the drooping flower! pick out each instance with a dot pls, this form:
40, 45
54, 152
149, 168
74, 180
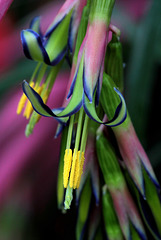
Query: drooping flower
131, 150
49, 49
80, 101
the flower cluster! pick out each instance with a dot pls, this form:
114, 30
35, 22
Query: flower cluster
96, 131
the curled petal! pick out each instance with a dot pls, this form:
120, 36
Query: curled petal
38, 104
56, 44
75, 102
120, 113
33, 46
65, 9
36, 101
72, 84
35, 25
75, 68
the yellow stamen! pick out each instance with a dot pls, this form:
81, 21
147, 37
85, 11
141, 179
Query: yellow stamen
67, 166
28, 110
77, 167
73, 169
80, 168
22, 101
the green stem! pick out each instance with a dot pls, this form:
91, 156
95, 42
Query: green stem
41, 74
70, 129
35, 72
79, 128
84, 134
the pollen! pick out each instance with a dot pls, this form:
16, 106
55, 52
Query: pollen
22, 101
73, 169
67, 166
76, 169
28, 110
81, 160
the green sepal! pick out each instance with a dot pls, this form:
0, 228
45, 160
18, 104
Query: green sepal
108, 162
60, 187
112, 226
84, 206
114, 61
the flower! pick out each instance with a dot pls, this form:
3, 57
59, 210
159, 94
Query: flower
51, 47
73, 162
94, 94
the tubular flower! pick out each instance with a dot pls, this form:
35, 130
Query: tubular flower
73, 160
51, 47
48, 49
79, 102
130, 147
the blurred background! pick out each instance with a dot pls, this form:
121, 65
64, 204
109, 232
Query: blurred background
28, 166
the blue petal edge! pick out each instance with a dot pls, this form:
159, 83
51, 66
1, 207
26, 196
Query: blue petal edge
70, 37
33, 22
59, 130
59, 57
40, 43
115, 116
86, 88
48, 33
72, 85
47, 109
25, 47
154, 180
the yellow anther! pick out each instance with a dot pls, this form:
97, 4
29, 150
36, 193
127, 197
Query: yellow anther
72, 174
76, 175
28, 110
22, 101
67, 166
81, 163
